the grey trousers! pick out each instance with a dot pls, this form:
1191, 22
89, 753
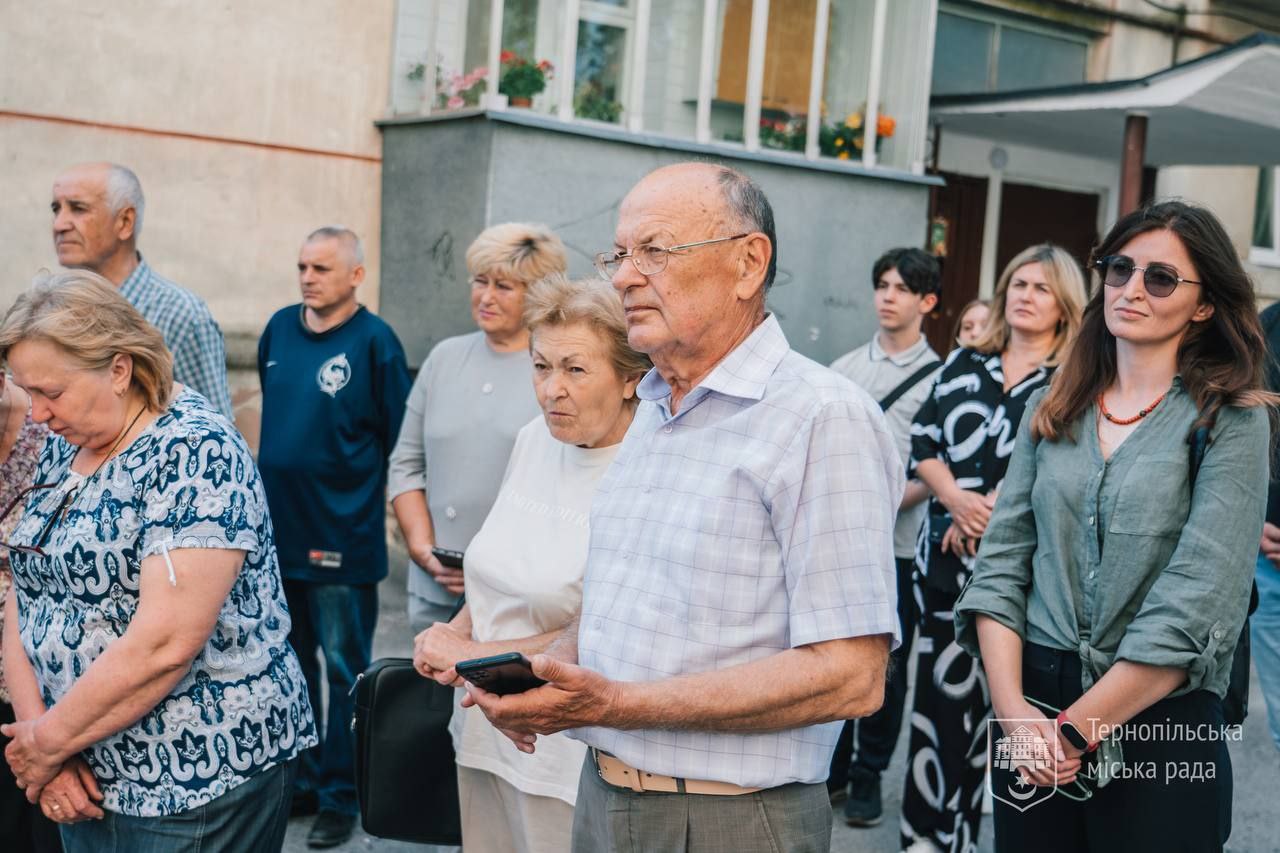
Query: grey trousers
788, 819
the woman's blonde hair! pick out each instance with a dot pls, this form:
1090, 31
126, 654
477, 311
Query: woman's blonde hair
79, 312
559, 301
1066, 283
517, 250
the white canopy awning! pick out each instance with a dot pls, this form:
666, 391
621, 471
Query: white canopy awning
1221, 109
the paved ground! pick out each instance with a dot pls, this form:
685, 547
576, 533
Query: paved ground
1256, 764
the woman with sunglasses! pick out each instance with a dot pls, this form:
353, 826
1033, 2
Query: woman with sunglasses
21, 440
1113, 582
961, 440
146, 630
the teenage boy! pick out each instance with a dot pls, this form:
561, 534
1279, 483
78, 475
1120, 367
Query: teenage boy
897, 367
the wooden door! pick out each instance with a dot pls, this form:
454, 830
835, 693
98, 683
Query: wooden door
960, 208
1031, 215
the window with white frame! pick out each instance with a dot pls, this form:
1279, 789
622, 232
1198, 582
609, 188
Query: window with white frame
837, 78
601, 67
976, 51
1266, 228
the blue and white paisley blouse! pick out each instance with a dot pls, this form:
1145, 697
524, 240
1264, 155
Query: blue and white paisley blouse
187, 481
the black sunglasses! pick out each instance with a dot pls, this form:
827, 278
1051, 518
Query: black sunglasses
1159, 279
37, 548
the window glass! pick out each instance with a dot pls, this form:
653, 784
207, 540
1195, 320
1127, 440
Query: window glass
673, 64
844, 82
1032, 60
598, 92
729, 94
962, 55
904, 88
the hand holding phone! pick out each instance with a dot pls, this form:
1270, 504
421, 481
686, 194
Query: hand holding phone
451, 559
501, 674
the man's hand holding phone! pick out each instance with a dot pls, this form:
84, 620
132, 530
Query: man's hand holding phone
573, 697
449, 577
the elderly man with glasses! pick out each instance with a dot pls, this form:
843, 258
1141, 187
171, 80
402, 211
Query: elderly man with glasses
739, 597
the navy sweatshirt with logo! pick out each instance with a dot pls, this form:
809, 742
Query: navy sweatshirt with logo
332, 403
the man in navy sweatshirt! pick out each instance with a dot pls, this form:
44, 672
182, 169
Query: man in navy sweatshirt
334, 385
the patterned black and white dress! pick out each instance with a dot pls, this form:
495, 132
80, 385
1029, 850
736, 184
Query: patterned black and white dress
969, 421
187, 481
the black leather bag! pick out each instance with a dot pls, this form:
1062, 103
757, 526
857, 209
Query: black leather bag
406, 779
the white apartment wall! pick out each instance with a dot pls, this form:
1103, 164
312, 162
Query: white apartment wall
162, 87
1230, 192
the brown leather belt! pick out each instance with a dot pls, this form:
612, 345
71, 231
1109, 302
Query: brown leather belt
618, 773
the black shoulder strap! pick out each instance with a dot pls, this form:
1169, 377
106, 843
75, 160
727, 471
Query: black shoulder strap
907, 384
1199, 442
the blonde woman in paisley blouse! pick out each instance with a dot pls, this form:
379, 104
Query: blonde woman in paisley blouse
961, 441
146, 631
21, 440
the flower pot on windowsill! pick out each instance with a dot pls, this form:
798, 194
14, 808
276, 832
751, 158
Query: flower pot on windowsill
523, 103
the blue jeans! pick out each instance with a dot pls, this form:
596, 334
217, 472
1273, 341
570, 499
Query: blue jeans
250, 818
1264, 638
336, 620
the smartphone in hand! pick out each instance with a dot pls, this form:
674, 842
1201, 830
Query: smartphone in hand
447, 558
502, 674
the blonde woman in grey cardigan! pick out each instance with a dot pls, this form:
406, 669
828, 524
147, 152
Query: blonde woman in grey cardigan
468, 401
1112, 583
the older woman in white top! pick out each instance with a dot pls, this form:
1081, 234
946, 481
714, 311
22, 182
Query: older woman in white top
467, 404
524, 568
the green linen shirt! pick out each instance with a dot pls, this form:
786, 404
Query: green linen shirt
1117, 558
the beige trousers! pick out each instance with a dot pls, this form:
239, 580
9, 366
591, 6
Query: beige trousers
499, 818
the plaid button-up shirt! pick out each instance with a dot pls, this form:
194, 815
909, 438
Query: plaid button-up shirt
189, 331
757, 519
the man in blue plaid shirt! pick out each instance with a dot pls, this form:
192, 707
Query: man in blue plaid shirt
97, 217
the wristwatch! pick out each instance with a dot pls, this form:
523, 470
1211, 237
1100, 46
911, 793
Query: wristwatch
1073, 735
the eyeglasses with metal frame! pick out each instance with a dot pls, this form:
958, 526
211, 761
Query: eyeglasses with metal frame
1160, 280
650, 258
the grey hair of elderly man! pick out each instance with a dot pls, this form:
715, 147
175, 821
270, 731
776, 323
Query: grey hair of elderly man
122, 190
709, 298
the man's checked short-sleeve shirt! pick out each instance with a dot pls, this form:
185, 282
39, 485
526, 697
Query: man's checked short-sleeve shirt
189, 331
757, 519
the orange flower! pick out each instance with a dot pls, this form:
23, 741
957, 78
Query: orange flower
506, 56
843, 155
885, 126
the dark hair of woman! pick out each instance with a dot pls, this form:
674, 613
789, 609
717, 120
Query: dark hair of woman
1220, 360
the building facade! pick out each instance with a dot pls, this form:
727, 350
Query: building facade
824, 102
249, 125
1001, 197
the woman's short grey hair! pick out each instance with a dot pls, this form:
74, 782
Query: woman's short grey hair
518, 251
82, 314
560, 301
750, 207
125, 190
